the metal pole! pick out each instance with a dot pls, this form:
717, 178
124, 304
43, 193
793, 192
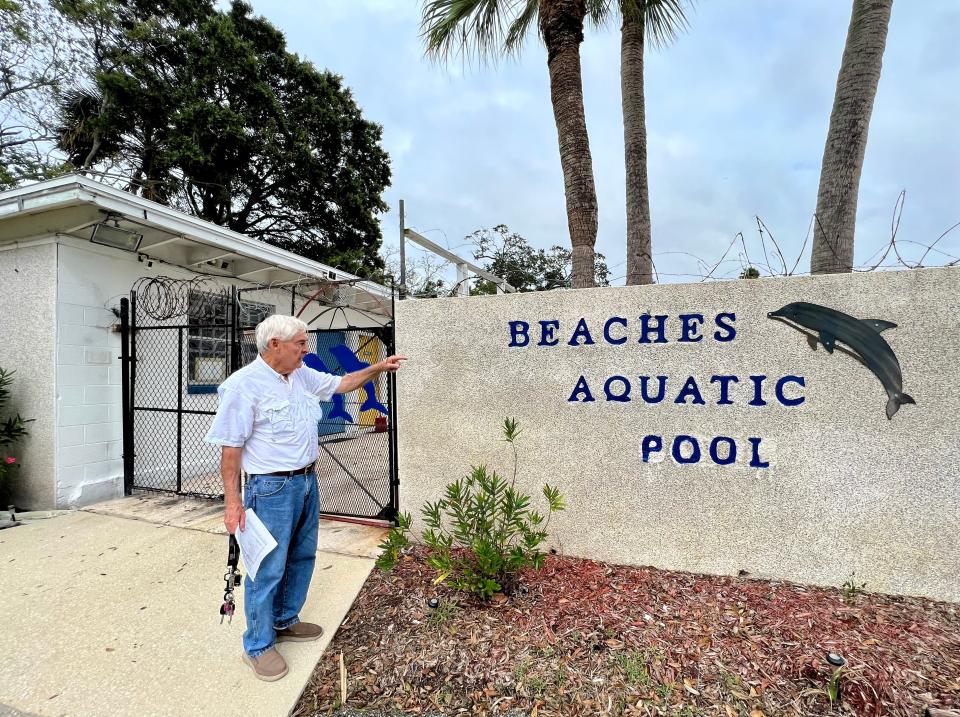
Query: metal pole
392, 389
126, 399
403, 251
133, 387
179, 410
233, 331
463, 285
133, 351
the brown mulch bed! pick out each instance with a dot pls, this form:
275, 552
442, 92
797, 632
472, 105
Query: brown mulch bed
586, 638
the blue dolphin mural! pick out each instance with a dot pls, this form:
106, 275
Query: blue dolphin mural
861, 335
350, 363
316, 363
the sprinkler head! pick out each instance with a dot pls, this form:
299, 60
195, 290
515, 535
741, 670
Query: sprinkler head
433, 602
836, 660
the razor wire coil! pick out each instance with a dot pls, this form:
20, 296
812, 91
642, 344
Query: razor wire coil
163, 298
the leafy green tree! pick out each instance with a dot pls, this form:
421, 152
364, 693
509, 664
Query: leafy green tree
509, 255
489, 28
206, 110
644, 22
846, 143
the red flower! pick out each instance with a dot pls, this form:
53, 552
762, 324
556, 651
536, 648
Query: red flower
11, 460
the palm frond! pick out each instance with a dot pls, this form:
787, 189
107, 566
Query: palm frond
520, 26
79, 117
599, 11
466, 27
664, 20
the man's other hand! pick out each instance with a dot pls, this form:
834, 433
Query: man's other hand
234, 516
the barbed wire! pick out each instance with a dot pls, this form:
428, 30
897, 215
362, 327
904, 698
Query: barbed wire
775, 262
163, 298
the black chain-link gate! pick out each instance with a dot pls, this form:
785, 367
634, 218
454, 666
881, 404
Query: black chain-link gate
176, 353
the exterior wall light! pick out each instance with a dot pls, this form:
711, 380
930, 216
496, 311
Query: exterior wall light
115, 236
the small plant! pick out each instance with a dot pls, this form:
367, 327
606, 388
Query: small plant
537, 685
11, 430
850, 589
442, 613
482, 532
833, 684
443, 696
729, 680
521, 670
634, 666
664, 690
833, 687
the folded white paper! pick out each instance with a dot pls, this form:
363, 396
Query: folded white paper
255, 543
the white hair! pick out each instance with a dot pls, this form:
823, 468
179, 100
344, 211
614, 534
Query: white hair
278, 326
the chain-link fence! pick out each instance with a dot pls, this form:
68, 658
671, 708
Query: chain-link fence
186, 337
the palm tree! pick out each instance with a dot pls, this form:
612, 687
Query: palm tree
489, 28
847, 137
657, 22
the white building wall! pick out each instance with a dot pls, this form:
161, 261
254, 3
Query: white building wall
28, 280
92, 280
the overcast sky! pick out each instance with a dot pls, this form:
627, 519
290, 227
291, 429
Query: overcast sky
737, 115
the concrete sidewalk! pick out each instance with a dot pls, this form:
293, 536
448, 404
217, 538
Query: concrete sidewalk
116, 612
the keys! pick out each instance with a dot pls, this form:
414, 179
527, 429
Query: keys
227, 609
232, 578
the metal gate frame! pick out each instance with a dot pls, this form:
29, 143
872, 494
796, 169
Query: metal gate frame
234, 353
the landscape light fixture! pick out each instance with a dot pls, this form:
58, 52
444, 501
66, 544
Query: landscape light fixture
109, 233
836, 660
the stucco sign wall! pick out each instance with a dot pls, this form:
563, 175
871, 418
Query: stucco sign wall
799, 428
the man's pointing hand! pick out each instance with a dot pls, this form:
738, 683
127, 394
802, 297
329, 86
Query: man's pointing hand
392, 363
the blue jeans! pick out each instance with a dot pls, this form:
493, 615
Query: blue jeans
290, 509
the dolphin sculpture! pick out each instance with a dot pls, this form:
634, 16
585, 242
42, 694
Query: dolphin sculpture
350, 363
316, 363
861, 335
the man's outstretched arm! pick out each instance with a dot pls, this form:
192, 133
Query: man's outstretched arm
353, 381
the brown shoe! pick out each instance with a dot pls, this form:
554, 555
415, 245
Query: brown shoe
269, 666
301, 632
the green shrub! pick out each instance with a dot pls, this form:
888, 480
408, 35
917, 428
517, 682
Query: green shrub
11, 430
482, 532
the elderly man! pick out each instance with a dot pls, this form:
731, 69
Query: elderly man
266, 424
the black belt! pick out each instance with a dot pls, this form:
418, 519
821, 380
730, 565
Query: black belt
290, 474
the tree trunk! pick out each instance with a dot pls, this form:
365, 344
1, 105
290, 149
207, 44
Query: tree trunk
561, 23
639, 259
847, 138
92, 154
